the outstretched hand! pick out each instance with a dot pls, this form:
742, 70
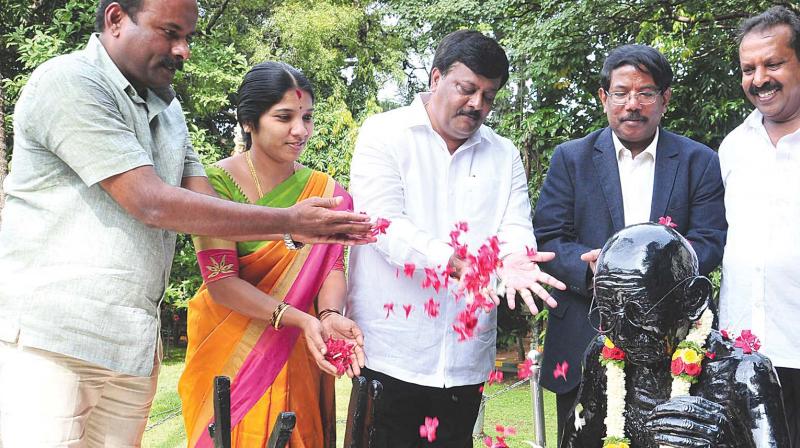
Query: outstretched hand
521, 274
339, 327
314, 220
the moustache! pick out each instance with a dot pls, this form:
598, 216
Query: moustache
634, 117
769, 85
172, 64
474, 114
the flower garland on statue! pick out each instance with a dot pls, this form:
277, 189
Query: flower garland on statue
685, 367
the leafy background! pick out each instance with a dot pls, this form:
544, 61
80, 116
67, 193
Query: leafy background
369, 56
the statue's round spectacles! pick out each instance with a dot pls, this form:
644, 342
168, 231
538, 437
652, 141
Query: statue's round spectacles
604, 318
644, 97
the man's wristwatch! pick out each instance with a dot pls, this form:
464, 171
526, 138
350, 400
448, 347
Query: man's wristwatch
290, 243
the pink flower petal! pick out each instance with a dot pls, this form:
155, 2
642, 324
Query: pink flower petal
524, 370
431, 308
380, 226
561, 370
389, 307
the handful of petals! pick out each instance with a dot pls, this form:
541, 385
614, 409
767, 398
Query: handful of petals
339, 353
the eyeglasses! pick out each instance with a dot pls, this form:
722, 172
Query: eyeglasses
644, 97
634, 314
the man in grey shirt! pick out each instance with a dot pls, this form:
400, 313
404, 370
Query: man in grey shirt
103, 176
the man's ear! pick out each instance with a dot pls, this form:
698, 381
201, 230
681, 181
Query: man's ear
436, 76
113, 18
696, 294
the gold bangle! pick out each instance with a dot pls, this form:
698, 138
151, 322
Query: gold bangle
277, 315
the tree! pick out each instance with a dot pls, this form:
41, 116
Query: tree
556, 50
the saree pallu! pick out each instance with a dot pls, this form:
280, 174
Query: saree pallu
271, 371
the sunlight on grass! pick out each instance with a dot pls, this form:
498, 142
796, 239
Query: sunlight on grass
513, 408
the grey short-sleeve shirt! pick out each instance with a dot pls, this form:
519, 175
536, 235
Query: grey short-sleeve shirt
78, 275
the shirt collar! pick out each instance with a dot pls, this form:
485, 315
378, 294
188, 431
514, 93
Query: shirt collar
419, 117
755, 121
651, 148
97, 53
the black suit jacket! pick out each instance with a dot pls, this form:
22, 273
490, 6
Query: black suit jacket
580, 207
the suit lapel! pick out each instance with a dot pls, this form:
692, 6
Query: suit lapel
666, 168
605, 162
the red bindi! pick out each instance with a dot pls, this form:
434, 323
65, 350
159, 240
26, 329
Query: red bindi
299, 94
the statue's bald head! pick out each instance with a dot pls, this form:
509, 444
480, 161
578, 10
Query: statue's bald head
647, 286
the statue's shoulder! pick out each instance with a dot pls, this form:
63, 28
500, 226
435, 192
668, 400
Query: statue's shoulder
742, 363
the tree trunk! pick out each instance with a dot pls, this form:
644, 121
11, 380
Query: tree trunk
3, 165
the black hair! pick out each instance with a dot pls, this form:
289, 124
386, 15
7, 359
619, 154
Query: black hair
644, 58
263, 87
481, 54
775, 16
130, 7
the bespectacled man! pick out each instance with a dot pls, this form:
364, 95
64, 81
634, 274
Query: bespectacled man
630, 172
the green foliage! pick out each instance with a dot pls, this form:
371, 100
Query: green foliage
350, 49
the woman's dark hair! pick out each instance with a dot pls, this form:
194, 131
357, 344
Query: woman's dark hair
263, 87
644, 58
775, 16
130, 7
481, 54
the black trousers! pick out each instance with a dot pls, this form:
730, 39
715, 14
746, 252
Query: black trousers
403, 407
790, 387
564, 403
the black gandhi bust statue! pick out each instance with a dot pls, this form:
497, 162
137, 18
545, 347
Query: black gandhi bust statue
658, 374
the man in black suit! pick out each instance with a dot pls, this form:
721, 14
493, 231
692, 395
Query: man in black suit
629, 172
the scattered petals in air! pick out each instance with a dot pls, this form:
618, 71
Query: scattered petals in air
747, 341
380, 226
725, 335
431, 308
428, 430
431, 280
524, 369
711, 355
667, 221
446, 274
466, 323
407, 308
389, 307
462, 226
561, 370
495, 376
409, 269
339, 353
530, 252
480, 389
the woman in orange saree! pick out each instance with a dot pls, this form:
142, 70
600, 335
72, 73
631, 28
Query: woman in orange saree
258, 297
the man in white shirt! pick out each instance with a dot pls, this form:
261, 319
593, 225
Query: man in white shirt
760, 163
426, 167
627, 173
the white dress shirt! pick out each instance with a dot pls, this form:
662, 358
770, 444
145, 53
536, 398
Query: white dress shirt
761, 265
403, 171
636, 176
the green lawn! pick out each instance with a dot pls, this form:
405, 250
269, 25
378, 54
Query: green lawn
513, 408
